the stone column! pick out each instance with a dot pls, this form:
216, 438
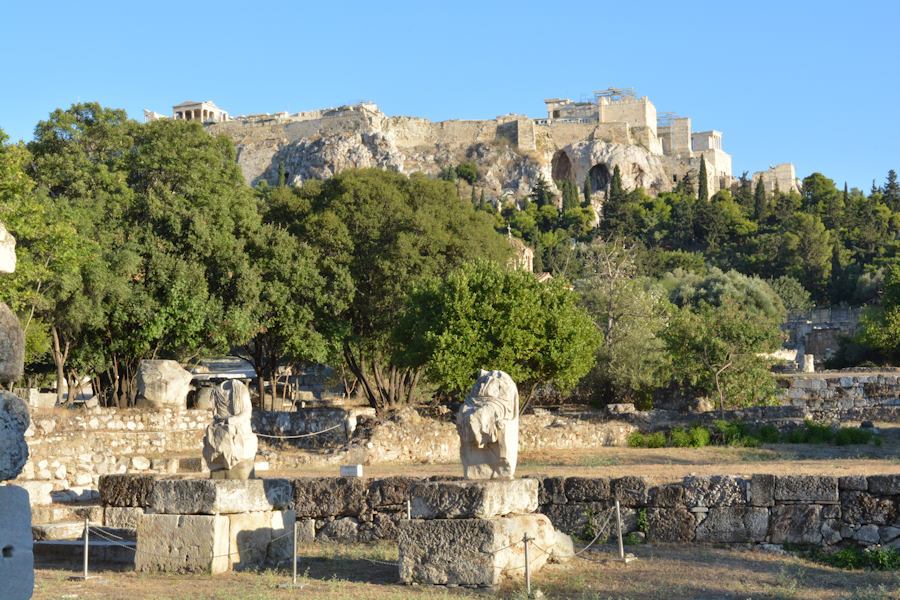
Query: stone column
16, 558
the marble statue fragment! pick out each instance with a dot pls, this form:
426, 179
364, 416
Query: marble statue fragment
488, 426
229, 446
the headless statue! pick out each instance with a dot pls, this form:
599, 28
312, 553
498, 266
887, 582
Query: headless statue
488, 426
229, 446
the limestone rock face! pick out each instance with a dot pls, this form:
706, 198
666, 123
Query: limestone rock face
16, 560
13, 423
488, 426
162, 384
474, 552
473, 499
12, 345
229, 446
7, 251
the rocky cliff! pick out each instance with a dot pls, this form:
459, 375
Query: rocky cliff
510, 151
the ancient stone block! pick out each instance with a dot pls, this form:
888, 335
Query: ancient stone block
14, 422
761, 490
343, 529
122, 517
860, 508
715, 490
670, 525
329, 496
588, 489
666, 496
488, 427
474, 498
162, 384
219, 496
806, 488
473, 552
853, 482
587, 519
390, 491
734, 524
867, 534
885, 485
125, 490
183, 544
306, 531
383, 526
552, 490
796, 524
258, 539
16, 558
629, 491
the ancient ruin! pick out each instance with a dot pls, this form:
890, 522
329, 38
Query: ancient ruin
16, 546
488, 426
229, 446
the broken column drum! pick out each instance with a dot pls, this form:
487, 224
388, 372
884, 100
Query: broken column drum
488, 426
229, 446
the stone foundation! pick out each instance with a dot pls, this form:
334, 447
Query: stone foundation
16, 558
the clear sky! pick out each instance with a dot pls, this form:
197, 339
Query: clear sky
813, 83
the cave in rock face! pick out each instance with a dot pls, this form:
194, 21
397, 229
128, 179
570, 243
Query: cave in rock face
561, 167
600, 177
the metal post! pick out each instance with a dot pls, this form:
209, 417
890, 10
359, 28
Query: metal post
619, 528
527, 569
408, 509
294, 556
87, 526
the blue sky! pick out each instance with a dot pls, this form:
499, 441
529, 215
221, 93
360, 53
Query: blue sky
813, 83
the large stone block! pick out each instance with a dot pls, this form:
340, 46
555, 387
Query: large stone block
219, 496
16, 558
474, 498
126, 490
183, 544
390, 491
14, 422
588, 489
715, 490
762, 490
472, 552
884, 485
122, 517
12, 345
259, 539
162, 384
734, 524
552, 490
806, 488
629, 491
670, 525
796, 524
322, 497
667, 496
859, 508
587, 519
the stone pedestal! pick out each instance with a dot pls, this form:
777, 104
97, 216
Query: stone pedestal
214, 526
471, 533
16, 558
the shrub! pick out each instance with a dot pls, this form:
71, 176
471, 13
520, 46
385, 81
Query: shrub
846, 436
680, 438
700, 436
636, 439
656, 440
728, 433
878, 559
768, 434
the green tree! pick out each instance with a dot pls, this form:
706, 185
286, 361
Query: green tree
792, 293
891, 191
614, 210
588, 190
703, 185
760, 202
540, 192
468, 172
806, 252
880, 326
484, 316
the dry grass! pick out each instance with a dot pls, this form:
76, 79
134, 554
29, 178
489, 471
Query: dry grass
661, 572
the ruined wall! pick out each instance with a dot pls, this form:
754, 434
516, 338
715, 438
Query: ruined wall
637, 112
834, 393
853, 510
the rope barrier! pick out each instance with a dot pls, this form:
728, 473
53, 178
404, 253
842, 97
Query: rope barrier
295, 437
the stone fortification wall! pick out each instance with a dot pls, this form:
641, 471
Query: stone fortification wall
843, 396
808, 510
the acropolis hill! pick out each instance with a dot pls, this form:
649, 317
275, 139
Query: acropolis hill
576, 141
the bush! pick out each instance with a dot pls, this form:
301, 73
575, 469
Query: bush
636, 439
728, 433
700, 436
768, 434
846, 436
878, 559
680, 438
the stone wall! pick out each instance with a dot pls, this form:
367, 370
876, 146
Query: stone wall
844, 396
337, 425
71, 449
806, 510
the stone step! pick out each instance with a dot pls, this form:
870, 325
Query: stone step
63, 530
72, 552
54, 513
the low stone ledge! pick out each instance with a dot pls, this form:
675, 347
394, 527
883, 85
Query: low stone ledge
480, 499
806, 489
219, 496
126, 490
320, 497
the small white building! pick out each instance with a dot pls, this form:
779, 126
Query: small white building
205, 112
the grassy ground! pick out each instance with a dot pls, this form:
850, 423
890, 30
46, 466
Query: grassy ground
663, 572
